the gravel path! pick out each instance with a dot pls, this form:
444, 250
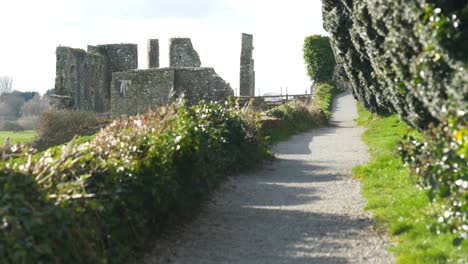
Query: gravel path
302, 208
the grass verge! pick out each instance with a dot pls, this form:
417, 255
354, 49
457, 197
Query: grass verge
398, 205
17, 137
296, 116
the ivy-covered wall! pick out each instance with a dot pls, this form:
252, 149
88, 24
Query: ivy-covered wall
408, 57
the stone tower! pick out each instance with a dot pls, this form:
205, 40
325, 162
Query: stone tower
247, 72
84, 78
153, 53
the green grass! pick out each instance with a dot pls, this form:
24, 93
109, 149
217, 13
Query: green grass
398, 205
17, 137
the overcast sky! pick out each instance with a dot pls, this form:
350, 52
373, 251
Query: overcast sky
32, 29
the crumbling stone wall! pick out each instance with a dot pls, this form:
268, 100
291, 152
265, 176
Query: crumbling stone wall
197, 84
80, 79
182, 53
85, 77
247, 72
136, 91
105, 78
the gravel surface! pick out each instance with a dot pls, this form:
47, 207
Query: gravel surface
305, 207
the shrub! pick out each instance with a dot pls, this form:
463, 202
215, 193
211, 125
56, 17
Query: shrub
57, 127
441, 163
29, 122
319, 58
98, 201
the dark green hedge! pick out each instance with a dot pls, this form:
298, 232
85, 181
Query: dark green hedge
319, 58
408, 57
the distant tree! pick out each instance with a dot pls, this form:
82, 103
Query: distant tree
15, 102
6, 84
50, 92
319, 58
27, 95
6, 112
35, 106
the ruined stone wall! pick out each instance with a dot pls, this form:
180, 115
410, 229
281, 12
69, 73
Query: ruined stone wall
153, 53
119, 57
197, 84
80, 76
136, 91
105, 78
182, 53
247, 72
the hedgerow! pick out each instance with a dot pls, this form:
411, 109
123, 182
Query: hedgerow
298, 116
98, 201
405, 57
440, 160
319, 58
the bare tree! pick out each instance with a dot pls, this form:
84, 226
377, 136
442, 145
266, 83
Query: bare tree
6, 84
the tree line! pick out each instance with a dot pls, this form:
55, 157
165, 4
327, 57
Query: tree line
20, 110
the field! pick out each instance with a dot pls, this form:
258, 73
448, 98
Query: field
17, 137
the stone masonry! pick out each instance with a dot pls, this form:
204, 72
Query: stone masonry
137, 91
153, 53
80, 79
85, 77
247, 72
134, 92
106, 79
182, 53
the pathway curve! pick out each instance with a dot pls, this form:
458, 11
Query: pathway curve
302, 208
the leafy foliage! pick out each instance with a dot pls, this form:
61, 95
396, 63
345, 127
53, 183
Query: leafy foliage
298, 116
405, 57
97, 201
441, 162
323, 98
319, 58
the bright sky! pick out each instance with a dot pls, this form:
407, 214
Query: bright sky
32, 29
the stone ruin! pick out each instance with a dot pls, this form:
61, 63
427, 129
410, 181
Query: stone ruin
247, 72
105, 78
